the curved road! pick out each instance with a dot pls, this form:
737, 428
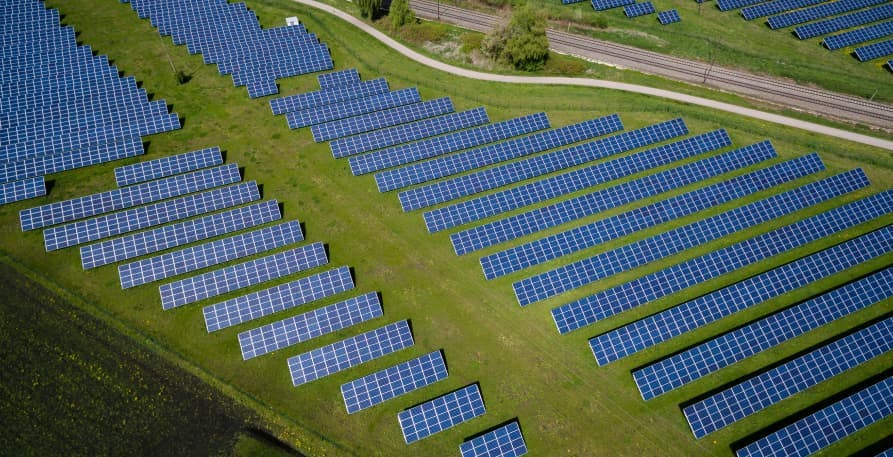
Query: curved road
598, 83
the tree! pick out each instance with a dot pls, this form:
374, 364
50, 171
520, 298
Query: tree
369, 8
522, 43
401, 14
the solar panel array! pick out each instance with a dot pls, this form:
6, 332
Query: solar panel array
349, 108
601, 5
209, 254
775, 7
694, 363
170, 236
673, 279
168, 166
818, 12
770, 387
349, 352
726, 5
109, 225
329, 96
394, 381
874, 50
826, 426
711, 307
22, 190
441, 413
278, 298
639, 9
607, 263
846, 21
380, 119
303, 327
426, 149
505, 441
862, 35
242, 275
339, 78
668, 17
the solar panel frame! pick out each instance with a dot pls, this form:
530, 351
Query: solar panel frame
862, 35
22, 190
441, 413
639, 9
389, 383
668, 17
874, 50
505, 441
168, 166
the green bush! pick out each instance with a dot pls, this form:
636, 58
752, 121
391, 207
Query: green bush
369, 8
401, 14
522, 43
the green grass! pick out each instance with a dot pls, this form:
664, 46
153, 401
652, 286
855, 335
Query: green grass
565, 403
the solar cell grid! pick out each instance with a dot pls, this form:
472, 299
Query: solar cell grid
22, 190
846, 21
262, 87
346, 77
274, 299
394, 381
874, 50
387, 118
441, 413
601, 5
240, 276
349, 108
862, 35
98, 99
538, 165
303, 327
349, 352
668, 17
775, 7
309, 100
505, 441
726, 5
673, 279
818, 12
168, 166
639, 9
692, 364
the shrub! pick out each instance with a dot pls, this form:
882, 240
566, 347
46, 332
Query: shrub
401, 14
369, 8
522, 43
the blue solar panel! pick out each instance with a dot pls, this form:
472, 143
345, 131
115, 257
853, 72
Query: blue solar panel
538, 165
309, 100
274, 299
127, 197
109, 225
241, 275
505, 441
682, 368
381, 119
168, 166
826, 426
639, 9
862, 35
349, 352
673, 279
426, 149
586, 236
570, 182
392, 382
874, 50
847, 21
208, 254
22, 190
411, 132
775, 7
349, 108
770, 387
601, 5
818, 12
726, 5
170, 236
303, 327
339, 78
668, 17
441, 413
495, 153
89, 155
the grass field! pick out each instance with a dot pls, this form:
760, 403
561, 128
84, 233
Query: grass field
565, 403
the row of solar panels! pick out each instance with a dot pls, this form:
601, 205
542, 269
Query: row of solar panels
632, 9
61, 107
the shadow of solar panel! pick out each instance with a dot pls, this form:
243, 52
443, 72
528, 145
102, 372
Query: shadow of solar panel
818, 12
392, 382
688, 366
121, 148
846, 21
349, 352
387, 118
350, 108
109, 225
303, 327
668, 17
168, 166
535, 166
441, 413
240, 276
826, 426
328, 96
639, 9
22, 190
334, 79
862, 35
874, 50
673, 279
274, 299
505, 441
775, 7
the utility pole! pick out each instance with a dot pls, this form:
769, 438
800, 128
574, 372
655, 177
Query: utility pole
438, 10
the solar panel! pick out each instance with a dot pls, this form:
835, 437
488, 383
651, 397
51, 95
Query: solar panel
726, 5
91, 155
274, 299
168, 166
601, 5
208, 254
347, 77
673, 279
309, 100
495, 153
109, 225
587, 270
303, 327
846, 21
22, 190
505, 441
170, 236
380, 119
349, 352
874, 50
441, 413
818, 12
127, 197
862, 35
826, 426
639, 9
668, 17
349, 108
538, 165
694, 363
392, 382
414, 131
437, 146
241, 275
775, 7
490, 205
